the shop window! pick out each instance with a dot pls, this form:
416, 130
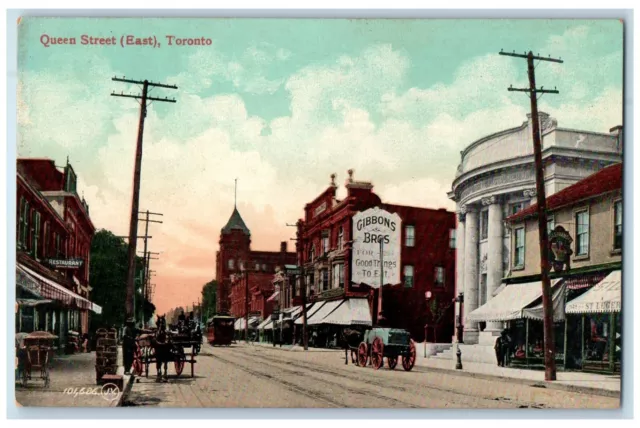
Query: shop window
439, 276
617, 225
409, 236
518, 256
452, 239
340, 237
582, 233
408, 276
484, 224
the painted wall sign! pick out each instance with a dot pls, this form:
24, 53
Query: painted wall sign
320, 209
65, 263
371, 228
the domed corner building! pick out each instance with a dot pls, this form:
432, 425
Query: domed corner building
495, 179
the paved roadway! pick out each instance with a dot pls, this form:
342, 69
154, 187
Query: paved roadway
263, 377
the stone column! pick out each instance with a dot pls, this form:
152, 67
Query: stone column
470, 274
460, 238
494, 261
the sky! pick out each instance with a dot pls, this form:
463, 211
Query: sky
281, 105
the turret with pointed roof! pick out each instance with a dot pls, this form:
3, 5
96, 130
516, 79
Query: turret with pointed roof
235, 223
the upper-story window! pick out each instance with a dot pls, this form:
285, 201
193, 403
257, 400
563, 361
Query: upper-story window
45, 240
582, 233
23, 226
312, 253
408, 276
340, 237
325, 279
231, 264
35, 233
257, 267
338, 275
264, 267
518, 255
325, 243
518, 206
551, 224
452, 238
409, 236
484, 224
241, 265
439, 276
617, 225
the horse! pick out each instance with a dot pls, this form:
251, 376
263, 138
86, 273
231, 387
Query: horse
351, 339
161, 343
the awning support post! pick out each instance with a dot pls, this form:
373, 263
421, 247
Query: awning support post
526, 341
582, 344
566, 329
612, 341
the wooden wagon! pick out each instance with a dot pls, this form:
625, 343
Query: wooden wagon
391, 343
36, 355
144, 355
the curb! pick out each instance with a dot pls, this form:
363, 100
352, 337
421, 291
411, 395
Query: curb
529, 382
128, 385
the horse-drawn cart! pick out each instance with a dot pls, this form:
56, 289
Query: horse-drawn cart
164, 348
390, 343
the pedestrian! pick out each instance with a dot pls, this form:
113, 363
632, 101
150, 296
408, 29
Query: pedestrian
128, 344
505, 347
498, 348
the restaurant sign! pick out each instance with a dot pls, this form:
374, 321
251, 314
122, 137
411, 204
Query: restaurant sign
374, 231
65, 263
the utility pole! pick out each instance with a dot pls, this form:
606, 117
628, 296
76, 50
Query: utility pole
547, 304
146, 290
246, 304
381, 282
146, 254
135, 199
303, 285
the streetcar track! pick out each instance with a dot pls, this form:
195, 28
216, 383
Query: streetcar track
395, 386
291, 386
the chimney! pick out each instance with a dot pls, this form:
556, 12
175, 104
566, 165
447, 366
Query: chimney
283, 247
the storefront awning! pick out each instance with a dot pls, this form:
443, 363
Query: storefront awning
311, 312
323, 312
351, 312
264, 323
584, 281
49, 289
32, 302
273, 296
606, 297
510, 303
558, 298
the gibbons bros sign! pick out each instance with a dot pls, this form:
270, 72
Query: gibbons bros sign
374, 229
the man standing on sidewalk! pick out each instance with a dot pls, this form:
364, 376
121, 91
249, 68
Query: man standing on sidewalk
128, 345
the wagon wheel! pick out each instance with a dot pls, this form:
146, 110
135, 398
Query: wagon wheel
362, 355
377, 353
179, 359
45, 376
409, 360
392, 362
138, 365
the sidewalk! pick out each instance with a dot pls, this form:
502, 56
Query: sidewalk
294, 348
572, 381
73, 384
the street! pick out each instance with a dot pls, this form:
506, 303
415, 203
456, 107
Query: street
255, 376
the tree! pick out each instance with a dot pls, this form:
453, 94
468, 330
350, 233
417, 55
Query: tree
209, 298
108, 277
435, 314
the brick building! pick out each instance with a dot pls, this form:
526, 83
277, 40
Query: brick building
427, 263
235, 261
53, 241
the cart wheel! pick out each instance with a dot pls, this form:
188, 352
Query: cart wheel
392, 362
377, 353
362, 355
408, 361
178, 363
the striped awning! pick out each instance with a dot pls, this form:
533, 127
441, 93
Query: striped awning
584, 281
606, 297
49, 289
